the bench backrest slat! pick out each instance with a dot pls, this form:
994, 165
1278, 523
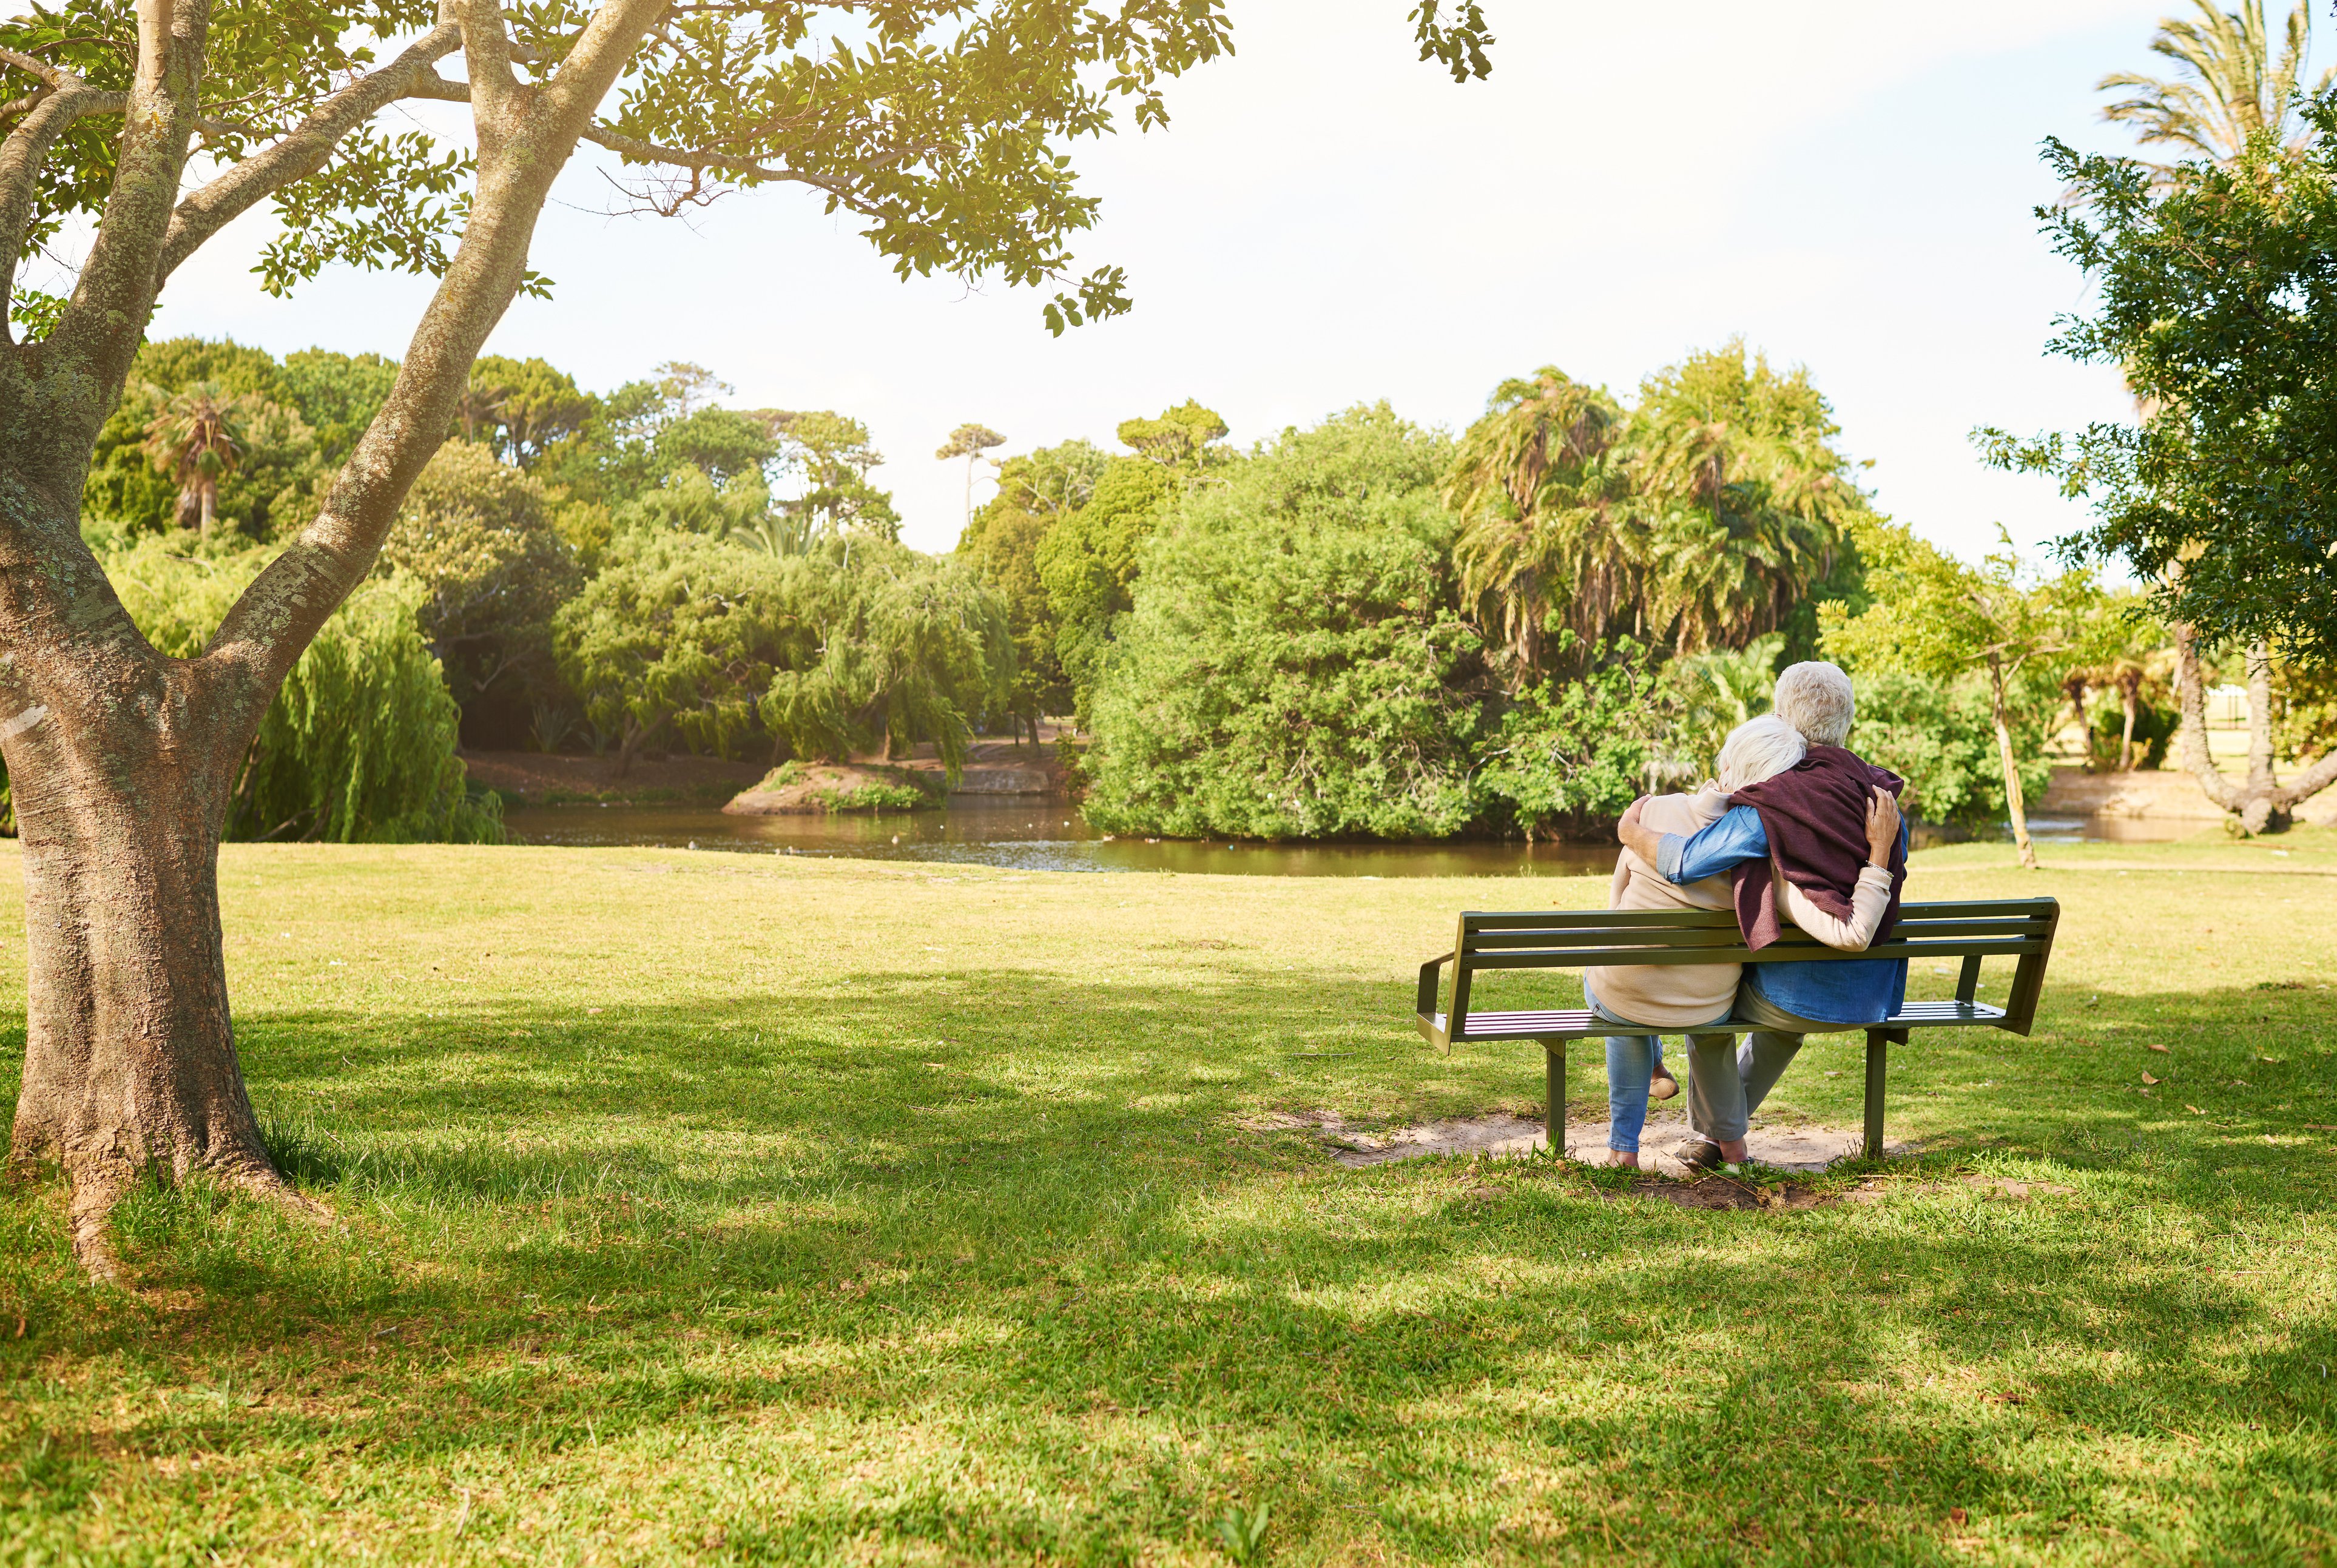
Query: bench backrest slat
1780, 953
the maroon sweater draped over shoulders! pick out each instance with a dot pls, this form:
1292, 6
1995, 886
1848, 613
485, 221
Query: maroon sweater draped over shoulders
1814, 816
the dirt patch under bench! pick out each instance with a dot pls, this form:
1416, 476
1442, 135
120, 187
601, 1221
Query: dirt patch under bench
1802, 1147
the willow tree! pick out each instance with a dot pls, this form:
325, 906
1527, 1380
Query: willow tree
941, 125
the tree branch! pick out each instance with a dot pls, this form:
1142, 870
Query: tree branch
21, 157
304, 150
2308, 783
487, 55
113, 297
602, 52
526, 140
57, 78
437, 87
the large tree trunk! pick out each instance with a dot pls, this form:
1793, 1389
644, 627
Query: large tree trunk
122, 761
130, 1061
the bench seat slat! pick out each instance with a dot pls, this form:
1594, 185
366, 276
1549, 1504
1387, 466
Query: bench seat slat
1578, 1023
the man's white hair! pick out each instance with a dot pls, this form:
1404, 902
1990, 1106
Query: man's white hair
1815, 698
1756, 749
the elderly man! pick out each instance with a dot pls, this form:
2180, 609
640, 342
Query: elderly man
1808, 825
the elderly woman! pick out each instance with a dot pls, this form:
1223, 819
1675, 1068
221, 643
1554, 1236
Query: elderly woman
1694, 998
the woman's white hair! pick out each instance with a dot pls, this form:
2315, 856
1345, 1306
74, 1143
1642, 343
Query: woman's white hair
1756, 749
1815, 698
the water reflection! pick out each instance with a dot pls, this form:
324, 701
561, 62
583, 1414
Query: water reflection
1052, 837
1041, 836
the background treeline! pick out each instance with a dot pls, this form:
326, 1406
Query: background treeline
619, 574
1369, 628
1366, 627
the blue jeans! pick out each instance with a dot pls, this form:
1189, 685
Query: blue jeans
1631, 1062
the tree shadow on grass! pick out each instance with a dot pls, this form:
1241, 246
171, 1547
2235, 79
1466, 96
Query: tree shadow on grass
565, 1230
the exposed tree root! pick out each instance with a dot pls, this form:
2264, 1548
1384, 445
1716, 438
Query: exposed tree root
99, 1185
268, 1187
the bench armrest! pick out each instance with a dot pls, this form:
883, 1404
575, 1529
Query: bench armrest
1424, 1002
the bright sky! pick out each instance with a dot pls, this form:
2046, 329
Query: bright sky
1327, 222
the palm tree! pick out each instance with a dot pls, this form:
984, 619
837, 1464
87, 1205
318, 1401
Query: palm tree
2227, 87
198, 440
1547, 527
1746, 500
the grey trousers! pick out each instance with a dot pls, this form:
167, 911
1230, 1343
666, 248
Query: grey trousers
1727, 1082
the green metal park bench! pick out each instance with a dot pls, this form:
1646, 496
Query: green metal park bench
1579, 938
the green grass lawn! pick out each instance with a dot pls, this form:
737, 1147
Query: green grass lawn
701, 1207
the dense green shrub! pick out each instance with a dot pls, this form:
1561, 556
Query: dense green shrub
860, 645
679, 632
1294, 665
1940, 740
1565, 754
360, 744
477, 534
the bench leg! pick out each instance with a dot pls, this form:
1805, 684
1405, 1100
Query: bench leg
1878, 1046
1554, 1086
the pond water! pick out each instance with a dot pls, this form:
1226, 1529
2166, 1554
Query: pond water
1051, 836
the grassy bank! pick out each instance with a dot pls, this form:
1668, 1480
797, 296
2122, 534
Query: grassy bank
717, 1208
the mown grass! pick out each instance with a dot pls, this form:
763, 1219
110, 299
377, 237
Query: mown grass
728, 1209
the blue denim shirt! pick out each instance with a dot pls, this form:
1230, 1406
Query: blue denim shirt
1833, 991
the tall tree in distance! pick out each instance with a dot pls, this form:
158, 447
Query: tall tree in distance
1036, 491
942, 127
2230, 90
1749, 507
2213, 296
197, 440
969, 441
1088, 558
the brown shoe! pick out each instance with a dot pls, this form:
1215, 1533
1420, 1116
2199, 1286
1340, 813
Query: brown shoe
1662, 1086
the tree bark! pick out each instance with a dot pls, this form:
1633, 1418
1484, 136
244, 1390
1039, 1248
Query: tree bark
2127, 696
2261, 811
130, 1061
2013, 804
2191, 696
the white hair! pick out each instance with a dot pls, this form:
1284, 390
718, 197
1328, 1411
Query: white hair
1756, 749
1815, 698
